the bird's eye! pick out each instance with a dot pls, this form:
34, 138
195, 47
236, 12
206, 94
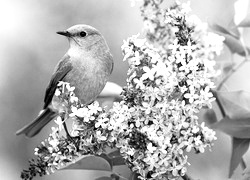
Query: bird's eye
82, 34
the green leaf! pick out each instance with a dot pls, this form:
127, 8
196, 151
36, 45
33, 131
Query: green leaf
104, 178
116, 158
210, 116
239, 148
236, 127
234, 29
118, 161
234, 45
237, 109
114, 154
245, 22
236, 123
228, 67
236, 103
90, 162
222, 30
231, 39
112, 177
107, 158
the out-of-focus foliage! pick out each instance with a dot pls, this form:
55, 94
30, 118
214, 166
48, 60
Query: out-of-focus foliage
234, 105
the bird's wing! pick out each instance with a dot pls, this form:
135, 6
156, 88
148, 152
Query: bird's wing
109, 59
112, 65
63, 67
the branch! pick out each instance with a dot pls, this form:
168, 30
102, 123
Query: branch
223, 113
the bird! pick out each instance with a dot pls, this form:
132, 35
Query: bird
87, 65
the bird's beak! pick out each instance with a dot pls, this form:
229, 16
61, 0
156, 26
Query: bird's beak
64, 33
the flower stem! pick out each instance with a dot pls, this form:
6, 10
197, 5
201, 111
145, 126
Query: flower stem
222, 110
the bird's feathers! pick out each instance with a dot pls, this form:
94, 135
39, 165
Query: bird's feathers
62, 69
35, 126
86, 66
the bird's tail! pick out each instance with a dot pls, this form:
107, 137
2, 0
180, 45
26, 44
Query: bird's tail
35, 126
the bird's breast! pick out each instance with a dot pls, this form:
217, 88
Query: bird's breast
89, 77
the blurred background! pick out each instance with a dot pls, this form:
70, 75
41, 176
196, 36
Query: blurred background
30, 48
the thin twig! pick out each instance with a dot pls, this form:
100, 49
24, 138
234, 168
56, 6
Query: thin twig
222, 110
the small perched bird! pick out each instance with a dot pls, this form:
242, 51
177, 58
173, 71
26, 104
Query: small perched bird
86, 66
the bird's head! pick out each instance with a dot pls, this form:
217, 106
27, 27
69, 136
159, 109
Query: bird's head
82, 36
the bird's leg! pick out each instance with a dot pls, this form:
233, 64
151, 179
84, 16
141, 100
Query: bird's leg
72, 139
66, 130
65, 127
69, 137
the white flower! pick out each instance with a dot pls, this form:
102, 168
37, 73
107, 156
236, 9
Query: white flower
57, 92
151, 148
94, 108
139, 83
174, 47
82, 112
192, 96
161, 70
60, 83
100, 137
73, 99
53, 141
102, 122
59, 122
149, 73
189, 48
70, 88
181, 57
36, 151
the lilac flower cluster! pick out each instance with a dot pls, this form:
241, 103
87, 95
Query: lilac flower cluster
169, 81
86, 136
155, 125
